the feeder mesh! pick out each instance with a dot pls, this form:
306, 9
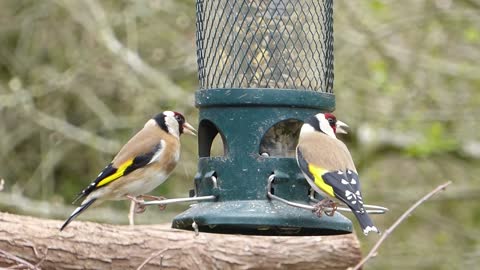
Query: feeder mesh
286, 44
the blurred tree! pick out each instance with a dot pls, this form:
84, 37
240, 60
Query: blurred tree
406, 81
78, 78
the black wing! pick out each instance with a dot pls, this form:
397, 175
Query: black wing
346, 187
137, 162
303, 164
109, 170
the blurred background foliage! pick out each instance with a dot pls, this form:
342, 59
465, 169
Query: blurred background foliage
78, 78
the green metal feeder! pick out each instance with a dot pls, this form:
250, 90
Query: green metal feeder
264, 66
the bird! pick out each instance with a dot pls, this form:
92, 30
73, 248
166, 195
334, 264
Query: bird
141, 165
327, 165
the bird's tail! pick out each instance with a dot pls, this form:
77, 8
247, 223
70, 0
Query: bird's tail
77, 212
365, 222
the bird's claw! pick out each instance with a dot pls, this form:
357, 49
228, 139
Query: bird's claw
138, 202
139, 208
161, 207
156, 198
331, 204
319, 208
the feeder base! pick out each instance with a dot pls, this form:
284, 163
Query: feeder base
259, 217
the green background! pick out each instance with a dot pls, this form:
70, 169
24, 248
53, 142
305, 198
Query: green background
78, 78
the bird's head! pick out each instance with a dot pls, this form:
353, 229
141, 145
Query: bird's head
326, 123
174, 123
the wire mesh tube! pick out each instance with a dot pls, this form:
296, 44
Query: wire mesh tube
285, 44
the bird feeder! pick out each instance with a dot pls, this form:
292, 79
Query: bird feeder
263, 66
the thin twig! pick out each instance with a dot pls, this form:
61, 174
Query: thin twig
37, 253
387, 232
17, 259
42, 259
156, 254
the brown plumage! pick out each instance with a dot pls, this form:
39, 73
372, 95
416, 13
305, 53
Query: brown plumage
335, 154
140, 144
143, 142
142, 164
328, 166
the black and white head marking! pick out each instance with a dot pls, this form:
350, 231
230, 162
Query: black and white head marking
319, 123
160, 120
171, 122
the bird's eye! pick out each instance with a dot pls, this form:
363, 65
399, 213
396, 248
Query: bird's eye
331, 121
179, 118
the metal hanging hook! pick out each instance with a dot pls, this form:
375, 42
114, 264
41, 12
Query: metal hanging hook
370, 209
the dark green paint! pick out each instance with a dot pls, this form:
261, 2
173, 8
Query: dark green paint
242, 117
265, 97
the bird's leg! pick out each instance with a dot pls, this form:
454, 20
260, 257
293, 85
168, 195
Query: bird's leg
155, 198
318, 208
136, 207
138, 201
330, 204
131, 213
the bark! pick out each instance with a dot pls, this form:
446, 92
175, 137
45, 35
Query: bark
86, 245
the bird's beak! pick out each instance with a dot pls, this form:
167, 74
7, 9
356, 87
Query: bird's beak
341, 127
187, 128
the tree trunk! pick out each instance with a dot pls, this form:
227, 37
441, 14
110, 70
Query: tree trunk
86, 245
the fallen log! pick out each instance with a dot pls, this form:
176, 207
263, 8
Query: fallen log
87, 245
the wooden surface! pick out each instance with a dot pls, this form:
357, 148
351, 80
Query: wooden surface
86, 245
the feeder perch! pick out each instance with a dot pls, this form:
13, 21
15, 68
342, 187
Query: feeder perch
264, 66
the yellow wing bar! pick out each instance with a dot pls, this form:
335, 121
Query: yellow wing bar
119, 173
318, 172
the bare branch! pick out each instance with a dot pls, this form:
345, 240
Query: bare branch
39, 180
96, 105
22, 98
97, 23
17, 259
75, 133
387, 232
154, 255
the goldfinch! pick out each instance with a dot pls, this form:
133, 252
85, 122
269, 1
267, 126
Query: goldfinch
328, 166
142, 164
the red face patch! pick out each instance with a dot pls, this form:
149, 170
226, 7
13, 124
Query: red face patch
332, 120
